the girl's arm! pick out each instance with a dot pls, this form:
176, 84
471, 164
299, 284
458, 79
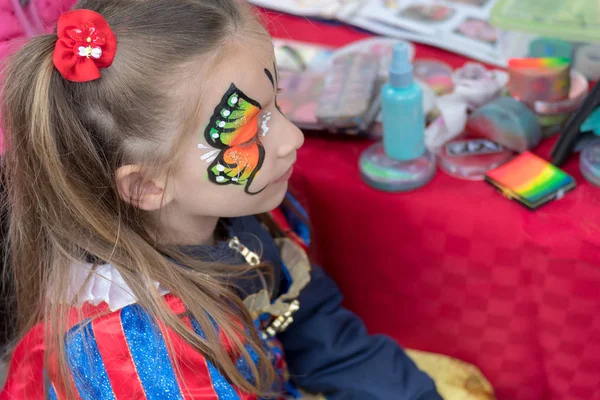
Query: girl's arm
328, 350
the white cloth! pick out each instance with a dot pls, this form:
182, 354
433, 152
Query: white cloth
105, 284
474, 86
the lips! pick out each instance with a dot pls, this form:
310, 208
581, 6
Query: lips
286, 176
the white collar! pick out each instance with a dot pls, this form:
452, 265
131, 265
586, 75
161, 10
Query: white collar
105, 284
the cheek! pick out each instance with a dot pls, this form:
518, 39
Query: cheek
193, 169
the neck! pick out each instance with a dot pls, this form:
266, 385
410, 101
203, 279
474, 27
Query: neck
184, 230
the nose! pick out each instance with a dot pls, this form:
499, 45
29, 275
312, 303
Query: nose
292, 139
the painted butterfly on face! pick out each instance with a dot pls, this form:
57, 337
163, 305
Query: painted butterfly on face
233, 131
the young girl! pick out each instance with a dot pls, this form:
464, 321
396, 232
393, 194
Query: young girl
141, 139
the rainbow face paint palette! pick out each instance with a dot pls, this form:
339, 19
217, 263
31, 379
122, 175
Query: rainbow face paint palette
539, 79
530, 180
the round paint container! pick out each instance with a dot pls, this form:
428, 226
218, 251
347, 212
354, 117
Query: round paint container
471, 158
587, 61
435, 74
534, 80
384, 173
508, 122
552, 114
589, 162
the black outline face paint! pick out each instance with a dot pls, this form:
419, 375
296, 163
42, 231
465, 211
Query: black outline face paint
276, 85
233, 131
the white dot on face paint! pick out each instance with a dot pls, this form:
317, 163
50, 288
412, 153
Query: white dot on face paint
234, 179
221, 124
234, 100
220, 178
226, 113
268, 118
220, 168
215, 135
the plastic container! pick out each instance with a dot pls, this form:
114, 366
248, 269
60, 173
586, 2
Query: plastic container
530, 27
384, 173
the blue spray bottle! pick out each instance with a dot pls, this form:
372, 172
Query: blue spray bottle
402, 110
402, 162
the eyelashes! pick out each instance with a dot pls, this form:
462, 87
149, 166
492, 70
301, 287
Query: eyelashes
279, 90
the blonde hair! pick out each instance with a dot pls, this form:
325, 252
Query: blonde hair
64, 142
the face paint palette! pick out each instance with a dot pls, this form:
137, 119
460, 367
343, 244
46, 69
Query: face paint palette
317, 99
530, 180
298, 97
349, 98
298, 56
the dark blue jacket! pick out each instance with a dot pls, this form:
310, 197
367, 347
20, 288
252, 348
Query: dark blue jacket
327, 347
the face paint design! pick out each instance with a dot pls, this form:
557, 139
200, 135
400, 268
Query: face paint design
233, 133
264, 128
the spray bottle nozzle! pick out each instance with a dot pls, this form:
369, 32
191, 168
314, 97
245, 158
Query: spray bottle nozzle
401, 69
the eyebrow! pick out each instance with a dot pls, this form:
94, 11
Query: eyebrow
270, 76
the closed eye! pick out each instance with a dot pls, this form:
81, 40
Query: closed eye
279, 90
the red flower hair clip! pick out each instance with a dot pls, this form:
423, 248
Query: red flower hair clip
85, 44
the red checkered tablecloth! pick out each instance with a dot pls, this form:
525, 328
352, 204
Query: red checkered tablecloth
454, 267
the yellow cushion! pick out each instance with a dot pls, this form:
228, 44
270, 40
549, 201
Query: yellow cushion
454, 379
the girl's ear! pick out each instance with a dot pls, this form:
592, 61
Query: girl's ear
139, 191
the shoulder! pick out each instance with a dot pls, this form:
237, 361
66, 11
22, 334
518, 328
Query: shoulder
129, 354
123, 354
126, 345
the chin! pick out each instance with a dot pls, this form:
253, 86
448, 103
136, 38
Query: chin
274, 195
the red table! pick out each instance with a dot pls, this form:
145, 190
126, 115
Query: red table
454, 267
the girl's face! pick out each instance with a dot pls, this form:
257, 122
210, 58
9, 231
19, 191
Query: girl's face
240, 160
